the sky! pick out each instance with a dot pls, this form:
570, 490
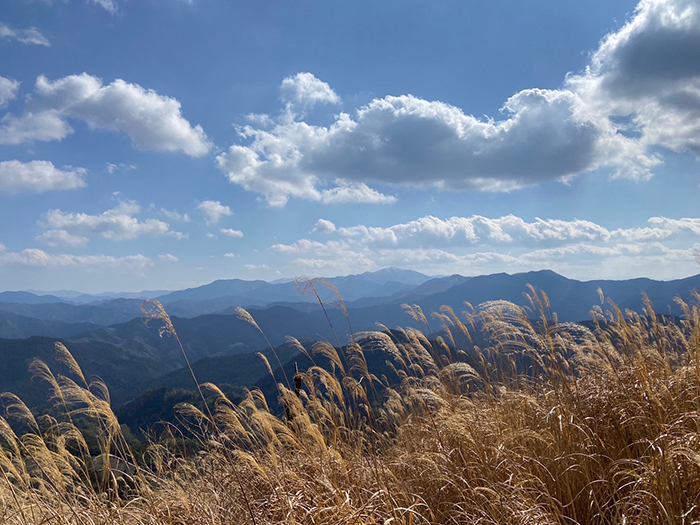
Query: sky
163, 144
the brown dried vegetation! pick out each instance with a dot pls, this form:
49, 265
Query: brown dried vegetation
545, 422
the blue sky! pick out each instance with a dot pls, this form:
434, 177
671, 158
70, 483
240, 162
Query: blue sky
159, 144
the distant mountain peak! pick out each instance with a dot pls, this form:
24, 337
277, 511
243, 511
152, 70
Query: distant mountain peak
394, 274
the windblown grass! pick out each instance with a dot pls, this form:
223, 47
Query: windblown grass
508, 417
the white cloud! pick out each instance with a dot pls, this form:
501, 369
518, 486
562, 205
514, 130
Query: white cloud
477, 245
178, 235
62, 237
230, 255
117, 224
8, 90
303, 91
31, 36
168, 258
261, 119
43, 126
38, 176
231, 233
328, 248
649, 72
214, 211
38, 258
257, 266
324, 226
314, 264
512, 230
357, 192
109, 5
174, 215
545, 135
152, 121
640, 92
112, 168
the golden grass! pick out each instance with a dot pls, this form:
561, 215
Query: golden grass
508, 417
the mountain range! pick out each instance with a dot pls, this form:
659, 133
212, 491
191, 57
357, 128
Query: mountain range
109, 337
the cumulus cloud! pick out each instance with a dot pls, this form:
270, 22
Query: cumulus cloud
640, 92
231, 233
31, 36
38, 176
357, 192
544, 135
8, 90
168, 258
44, 126
152, 121
324, 226
303, 91
649, 72
214, 211
230, 255
117, 224
512, 230
475, 245
328, 248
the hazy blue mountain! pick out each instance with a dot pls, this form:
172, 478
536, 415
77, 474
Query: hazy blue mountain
259, 292
72, 296
380, 301
236, 370
572, 300
132, 355
414, 293
107, 296
211, 335
28, 298
396, 275
119, 369
13, 326
222, 294
103, 314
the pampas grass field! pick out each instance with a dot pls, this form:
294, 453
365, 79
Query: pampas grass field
506, 417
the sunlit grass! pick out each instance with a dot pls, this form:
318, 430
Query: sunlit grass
508, 416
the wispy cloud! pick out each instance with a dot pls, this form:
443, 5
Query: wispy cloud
38, 258
31, 36
175, 216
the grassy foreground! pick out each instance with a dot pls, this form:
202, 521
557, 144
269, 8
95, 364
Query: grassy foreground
510, 417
